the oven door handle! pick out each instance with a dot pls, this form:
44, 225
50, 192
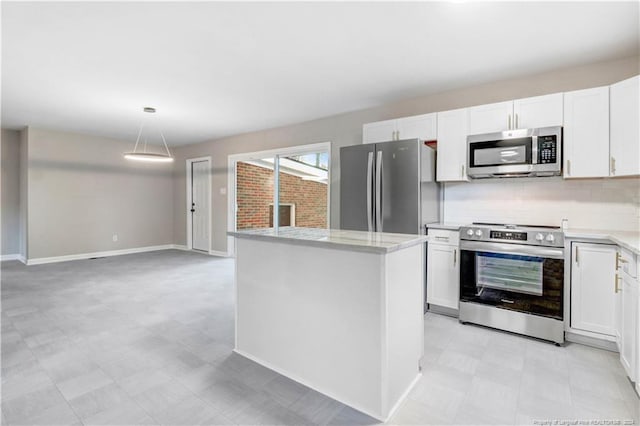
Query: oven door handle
515, 249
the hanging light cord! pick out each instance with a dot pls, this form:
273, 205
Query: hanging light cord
135, 148
164, 141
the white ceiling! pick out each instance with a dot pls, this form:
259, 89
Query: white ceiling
216, 69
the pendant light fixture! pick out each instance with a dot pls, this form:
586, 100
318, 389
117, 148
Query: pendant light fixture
142, 154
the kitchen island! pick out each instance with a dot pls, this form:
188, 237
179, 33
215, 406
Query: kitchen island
338, 311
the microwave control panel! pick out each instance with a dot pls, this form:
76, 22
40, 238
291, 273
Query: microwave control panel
547, 149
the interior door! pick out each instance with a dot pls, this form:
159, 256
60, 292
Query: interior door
398, 186
357, 164
200, 205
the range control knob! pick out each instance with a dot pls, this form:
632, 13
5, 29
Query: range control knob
550, 238
539, 237
470, 232
479, 233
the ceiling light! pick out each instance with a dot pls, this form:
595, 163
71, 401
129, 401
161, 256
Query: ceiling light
143, 155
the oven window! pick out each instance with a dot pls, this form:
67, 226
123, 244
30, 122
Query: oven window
501, 152
520, 274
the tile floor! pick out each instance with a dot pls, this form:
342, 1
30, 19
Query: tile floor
147, 338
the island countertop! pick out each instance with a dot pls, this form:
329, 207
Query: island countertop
371, 242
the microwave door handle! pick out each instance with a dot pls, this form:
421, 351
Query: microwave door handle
379, 191
370, 192
534, 150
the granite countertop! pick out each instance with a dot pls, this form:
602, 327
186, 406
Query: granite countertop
451, 226
626, 239
371, 242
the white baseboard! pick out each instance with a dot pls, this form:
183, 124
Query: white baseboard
218, 253
180, 247
6, 257
54, 259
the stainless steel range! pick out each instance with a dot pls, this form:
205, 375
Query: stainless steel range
512, 278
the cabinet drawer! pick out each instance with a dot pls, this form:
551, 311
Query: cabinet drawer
627, 262
443, 236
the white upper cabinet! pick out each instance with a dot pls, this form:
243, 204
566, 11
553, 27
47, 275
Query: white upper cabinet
586, 133
526, 113
417, 127
490, 118
625, 128
452, 145
414, 127
539, 111
380, 131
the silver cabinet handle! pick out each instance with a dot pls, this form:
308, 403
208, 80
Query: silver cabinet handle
569, 167
438, 237
613, 166
509, 128
619, 260
615, 284
577, 263
379, 191
516, 127
462, 170
455, 255
369, 189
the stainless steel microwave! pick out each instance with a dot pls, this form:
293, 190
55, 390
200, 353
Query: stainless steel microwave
515, 153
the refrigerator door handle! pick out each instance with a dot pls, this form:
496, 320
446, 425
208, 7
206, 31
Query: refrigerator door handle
379, 191
370, 192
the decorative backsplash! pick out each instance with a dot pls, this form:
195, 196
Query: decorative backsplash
612, 204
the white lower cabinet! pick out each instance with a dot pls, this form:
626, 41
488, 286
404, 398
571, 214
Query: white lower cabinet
592, 288
629, 331
443, 269
627, 288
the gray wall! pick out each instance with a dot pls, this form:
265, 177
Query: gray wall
81, 191
24, 199
10, 144
346, 129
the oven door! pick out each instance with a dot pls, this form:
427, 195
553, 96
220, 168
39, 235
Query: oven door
521, 278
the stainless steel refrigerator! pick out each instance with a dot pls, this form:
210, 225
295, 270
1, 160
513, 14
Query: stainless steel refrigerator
388, 187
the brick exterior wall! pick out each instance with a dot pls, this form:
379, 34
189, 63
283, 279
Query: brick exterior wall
255, 195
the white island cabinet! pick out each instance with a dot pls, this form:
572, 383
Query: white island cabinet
338, 311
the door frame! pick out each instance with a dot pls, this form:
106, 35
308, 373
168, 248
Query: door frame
231, 180
189, 162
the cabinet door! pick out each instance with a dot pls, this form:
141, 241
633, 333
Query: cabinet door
491, 118
539, 111
419, 126
629, 332
452, 145
592, 288
380, 131
586, 133
625, 127
443, 277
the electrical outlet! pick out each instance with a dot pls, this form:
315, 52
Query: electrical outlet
115, 237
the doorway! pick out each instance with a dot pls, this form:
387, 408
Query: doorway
199, 204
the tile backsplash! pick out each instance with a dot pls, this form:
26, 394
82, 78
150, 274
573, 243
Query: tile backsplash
612, 204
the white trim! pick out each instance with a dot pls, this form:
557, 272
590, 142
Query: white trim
257, 155
218, 253
188, 163
108, 253
5, 257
